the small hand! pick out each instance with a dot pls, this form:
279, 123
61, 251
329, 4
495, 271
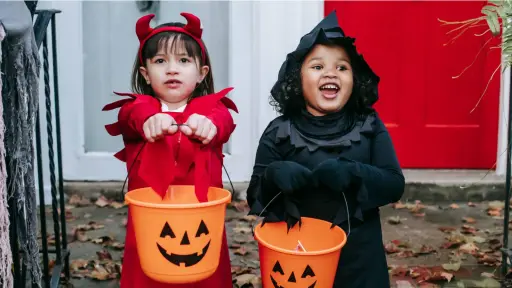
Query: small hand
334, 174
199, 127
158, 125
288, 176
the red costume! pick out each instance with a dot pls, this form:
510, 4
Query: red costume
176, 159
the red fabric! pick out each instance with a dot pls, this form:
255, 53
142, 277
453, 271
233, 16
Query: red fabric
176, 159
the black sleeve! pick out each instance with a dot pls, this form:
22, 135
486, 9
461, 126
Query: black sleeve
266, 153
382, 179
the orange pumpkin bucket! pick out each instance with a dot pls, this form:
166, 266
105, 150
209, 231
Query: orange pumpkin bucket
304, 257
178, 238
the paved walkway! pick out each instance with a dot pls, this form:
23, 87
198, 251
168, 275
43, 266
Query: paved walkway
452, 245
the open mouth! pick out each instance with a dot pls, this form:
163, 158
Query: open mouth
187, 260
329, 90
276, 285
173, 83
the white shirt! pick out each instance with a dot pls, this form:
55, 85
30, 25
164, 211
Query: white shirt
166, 109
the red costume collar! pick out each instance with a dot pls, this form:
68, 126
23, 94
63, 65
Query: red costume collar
192, 29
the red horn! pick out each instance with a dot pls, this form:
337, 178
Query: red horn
193, 24
142, 27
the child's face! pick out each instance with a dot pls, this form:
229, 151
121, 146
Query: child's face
327, 79
173, 76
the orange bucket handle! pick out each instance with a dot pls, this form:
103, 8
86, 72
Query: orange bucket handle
300, 244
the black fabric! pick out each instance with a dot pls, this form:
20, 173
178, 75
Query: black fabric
375, 179
326, 127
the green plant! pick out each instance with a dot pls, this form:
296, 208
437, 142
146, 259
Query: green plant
498, 17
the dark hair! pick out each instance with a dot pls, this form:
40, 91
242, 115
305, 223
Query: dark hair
159, 42
288, 100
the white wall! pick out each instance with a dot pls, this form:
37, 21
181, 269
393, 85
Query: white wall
501, 165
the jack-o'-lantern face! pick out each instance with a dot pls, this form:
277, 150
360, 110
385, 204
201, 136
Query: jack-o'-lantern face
306, 277
186, 244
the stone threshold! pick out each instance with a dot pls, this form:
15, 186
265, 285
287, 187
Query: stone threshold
430, 186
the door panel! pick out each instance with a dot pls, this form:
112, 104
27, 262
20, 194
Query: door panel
426, 110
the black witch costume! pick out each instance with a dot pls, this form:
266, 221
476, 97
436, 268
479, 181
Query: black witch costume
340, 167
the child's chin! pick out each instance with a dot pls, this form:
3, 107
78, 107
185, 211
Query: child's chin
330, 107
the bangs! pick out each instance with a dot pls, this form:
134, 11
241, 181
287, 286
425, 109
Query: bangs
173, 43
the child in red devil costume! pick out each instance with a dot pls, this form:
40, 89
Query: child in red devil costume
173, 127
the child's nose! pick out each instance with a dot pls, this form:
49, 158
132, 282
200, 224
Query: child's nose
172, 68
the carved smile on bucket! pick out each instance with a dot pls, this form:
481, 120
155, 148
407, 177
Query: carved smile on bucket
185, 259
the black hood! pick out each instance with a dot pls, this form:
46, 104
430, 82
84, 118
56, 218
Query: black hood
327, 31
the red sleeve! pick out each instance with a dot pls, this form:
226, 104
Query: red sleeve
132, 116
223, 120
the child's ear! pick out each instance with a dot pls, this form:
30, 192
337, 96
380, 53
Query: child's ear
204, 71
144, 73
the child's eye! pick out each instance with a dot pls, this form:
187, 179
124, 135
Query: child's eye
184, 60
317, 67
159, 60
342, 68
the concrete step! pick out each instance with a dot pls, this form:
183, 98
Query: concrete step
430, 186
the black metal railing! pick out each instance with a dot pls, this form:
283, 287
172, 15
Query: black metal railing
506, 251
44, 20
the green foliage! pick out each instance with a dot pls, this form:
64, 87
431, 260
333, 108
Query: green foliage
498, 15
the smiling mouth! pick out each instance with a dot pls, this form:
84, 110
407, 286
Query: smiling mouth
187, 260
276, 285
329, 90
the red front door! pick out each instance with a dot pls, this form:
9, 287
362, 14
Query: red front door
427, 111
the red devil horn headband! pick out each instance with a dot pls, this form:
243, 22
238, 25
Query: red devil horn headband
192, 29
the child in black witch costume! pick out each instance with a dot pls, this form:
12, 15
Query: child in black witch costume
329, 154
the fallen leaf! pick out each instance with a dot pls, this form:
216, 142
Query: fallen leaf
425, 249
478, 239
105, 240
468, 229
454, 206
468, 220
77, 264
242, 251
403, 284
394, 220
391, 248
80, 236
494, 212
398, 205
240, 206
79, 201
117, 205
451, 266
117, 245
242, 230
405, 254
244, 279
102, 201
487, 275
399, 271
104, 255
468, 248
447, 229
250, 218
496, 205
